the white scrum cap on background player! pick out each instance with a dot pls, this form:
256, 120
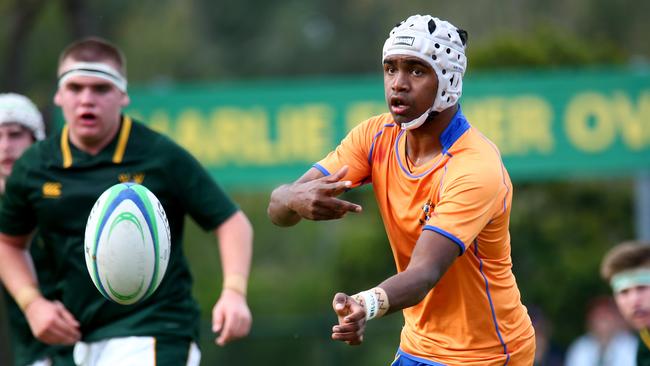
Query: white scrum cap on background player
441, 45
16, 108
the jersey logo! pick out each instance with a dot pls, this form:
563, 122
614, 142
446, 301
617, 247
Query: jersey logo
426, 212
51, 189
131, 178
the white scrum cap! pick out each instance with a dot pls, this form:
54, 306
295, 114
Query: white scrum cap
442, 46
16, 108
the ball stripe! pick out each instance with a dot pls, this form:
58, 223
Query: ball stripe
110, 199
153, 228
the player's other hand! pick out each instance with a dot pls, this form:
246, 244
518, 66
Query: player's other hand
231, 317
316, 199
51, 322
352, 320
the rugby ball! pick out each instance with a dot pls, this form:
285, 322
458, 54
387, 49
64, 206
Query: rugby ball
127, 243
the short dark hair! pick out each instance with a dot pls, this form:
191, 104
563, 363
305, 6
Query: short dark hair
625, 256
94, 49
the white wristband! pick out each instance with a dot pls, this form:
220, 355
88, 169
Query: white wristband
370, 303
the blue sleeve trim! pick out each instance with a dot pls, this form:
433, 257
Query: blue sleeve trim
372, 146
322, 169
450, 236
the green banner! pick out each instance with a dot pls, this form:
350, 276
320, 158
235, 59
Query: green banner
547, 124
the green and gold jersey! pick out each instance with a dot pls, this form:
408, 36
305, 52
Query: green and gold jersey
53, 188
643, 354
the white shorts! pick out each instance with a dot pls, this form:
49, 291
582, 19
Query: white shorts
125, 351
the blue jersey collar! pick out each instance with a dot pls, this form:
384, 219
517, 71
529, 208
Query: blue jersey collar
454, 130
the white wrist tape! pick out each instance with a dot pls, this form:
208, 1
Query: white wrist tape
370, 303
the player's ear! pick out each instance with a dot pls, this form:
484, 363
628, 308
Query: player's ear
125, 101
57, 97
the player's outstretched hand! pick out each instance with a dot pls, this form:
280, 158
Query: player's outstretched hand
51, 322
316, 199
352, 320
231, 317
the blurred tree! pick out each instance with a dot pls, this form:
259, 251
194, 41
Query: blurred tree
78, 18
21, 19
546, 47
560, 231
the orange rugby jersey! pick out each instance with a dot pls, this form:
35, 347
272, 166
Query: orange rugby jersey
474, 315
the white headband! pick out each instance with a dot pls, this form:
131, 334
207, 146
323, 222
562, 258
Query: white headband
628, 279
95, 69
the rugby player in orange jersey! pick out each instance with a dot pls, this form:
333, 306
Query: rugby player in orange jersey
445, 199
